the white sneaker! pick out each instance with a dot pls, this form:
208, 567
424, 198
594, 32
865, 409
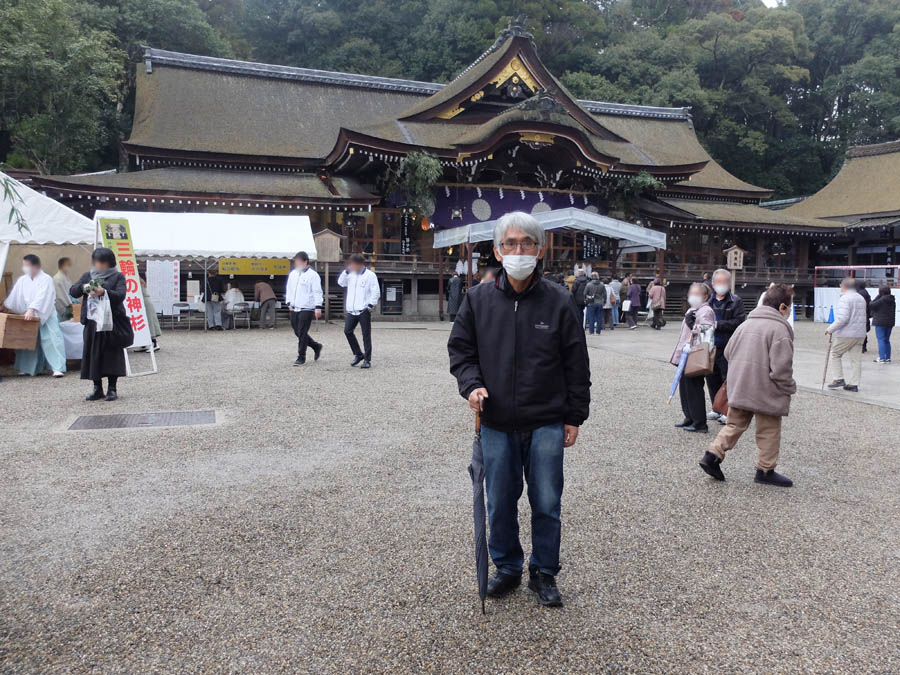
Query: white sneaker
723, 419
712, 415
57, 373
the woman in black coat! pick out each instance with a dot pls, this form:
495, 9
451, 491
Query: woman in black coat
104, 351
884, 316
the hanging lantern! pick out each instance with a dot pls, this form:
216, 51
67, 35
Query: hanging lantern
425, 225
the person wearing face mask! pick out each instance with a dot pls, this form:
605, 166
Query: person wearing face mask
849, 330
760, 384
35, 296
698, 318
102, 291
519, 354
304, 296
62, 283
730, 313
363, 293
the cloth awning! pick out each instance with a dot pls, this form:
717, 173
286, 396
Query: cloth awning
216, 235
632, 237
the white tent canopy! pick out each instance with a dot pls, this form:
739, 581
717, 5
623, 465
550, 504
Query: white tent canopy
48, 221
632, 238
216, 235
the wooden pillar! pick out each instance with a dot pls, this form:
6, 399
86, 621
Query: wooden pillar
327, 301
469, 248
760, 253
415, 295
440, 261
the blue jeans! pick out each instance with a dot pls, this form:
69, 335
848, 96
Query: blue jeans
594, 317
883, 333
538, 456
615, 314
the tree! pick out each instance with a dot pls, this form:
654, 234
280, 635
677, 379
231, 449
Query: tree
57, 80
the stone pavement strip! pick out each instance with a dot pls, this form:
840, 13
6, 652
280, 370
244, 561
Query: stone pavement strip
323, 525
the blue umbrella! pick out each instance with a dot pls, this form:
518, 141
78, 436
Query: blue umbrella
476, 472
679, 371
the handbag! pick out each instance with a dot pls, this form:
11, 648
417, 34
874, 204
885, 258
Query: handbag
626, 306
700, 361
720, 404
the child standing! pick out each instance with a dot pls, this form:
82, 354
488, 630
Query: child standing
760, 384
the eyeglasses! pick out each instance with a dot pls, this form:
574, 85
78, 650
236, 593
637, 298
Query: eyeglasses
526, 246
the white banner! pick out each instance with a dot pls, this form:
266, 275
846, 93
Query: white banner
164, 283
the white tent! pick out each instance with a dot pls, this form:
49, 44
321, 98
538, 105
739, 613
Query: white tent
48, 221
216, 235
632, 238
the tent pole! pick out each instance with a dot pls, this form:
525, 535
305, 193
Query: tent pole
327, 301
469, 247
440, 257
205, 291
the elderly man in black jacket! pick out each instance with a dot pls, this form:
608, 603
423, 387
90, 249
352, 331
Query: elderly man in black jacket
518, 352
730, 314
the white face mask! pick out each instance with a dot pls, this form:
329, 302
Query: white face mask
721, 289
519, 267
695, 301
26, 270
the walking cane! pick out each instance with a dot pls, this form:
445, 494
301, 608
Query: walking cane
827, 357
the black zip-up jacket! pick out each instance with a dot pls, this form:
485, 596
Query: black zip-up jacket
733, 315
527, 349
884, 310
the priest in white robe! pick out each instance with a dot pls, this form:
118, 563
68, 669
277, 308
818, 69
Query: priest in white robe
34, 295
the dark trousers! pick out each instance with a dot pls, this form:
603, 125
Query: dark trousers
657, 318
267, 314
594, 318
300, 322
364, 319
715, 379
693, 405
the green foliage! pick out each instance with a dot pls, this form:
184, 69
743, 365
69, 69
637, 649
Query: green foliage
10, 194
416, 177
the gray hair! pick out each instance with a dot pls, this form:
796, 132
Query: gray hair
722, 270
519, 220
704, 289
848, 282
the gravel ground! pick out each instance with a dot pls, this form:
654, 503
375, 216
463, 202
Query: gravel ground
323, 525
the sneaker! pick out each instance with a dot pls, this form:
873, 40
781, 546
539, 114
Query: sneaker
851, 387
723, 419
711, 465
500, 584
633, 328
545, 586
58, 373
837, 384
771, 477
712, 415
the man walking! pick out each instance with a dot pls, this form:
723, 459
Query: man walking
361, 297
578, 287
304, 297
849, 331
265, 296
730, 314
518, 353
595, 298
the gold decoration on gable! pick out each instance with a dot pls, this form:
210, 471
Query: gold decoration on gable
515, 68
533, 137
447, 114
477, 96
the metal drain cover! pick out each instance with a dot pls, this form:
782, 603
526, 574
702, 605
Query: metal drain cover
139, 420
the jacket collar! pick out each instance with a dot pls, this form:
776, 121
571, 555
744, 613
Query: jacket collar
764, 312
503, 284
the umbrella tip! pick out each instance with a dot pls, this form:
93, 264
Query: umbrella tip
482, 606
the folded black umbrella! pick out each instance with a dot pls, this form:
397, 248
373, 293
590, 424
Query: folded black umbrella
476, 472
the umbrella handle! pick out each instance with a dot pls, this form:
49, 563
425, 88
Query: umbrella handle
477, 422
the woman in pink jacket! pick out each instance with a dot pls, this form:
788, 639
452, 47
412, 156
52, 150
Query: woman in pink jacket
699, 317
760, 384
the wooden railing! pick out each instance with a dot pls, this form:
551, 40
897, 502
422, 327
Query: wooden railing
691, 272
410, 264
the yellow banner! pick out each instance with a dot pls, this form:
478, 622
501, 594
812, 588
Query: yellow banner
254, 266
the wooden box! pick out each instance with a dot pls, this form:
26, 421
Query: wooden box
76, 312
17, 333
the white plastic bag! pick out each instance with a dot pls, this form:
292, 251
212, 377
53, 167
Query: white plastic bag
100, 312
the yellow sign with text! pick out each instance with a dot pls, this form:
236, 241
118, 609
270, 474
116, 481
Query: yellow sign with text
254, 266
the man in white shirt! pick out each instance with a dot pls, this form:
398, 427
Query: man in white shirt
62, 283
34, 295
304, 297
361, 297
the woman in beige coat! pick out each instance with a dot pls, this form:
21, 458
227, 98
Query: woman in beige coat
760, 384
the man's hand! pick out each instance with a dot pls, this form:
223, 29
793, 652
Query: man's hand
318, 314
476, 399
570, 435
29, 315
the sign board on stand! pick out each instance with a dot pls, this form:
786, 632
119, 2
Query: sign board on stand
254, 266
734, 261
116, 235
164, 283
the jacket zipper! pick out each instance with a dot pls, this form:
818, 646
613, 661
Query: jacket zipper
515, 364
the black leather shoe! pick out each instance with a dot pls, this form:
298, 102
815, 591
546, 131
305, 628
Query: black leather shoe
710, 464
837, 384
366, 364
683, 424
95, 395
318, 352
111, 395
299, 362
771, 477
851, 387
500, 584
696, 429
357, 360
545, 586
